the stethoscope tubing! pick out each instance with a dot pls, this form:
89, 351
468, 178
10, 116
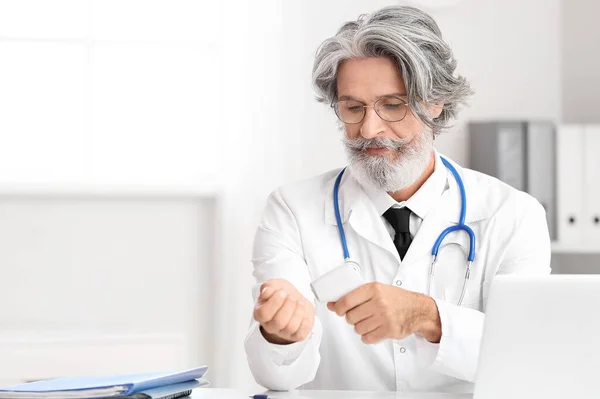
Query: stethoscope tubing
438, 242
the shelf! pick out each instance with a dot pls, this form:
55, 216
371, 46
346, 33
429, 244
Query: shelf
562, 248
109, 190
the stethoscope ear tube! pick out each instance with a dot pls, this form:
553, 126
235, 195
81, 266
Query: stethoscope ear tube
436, 247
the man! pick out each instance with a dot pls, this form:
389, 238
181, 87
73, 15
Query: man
390, 79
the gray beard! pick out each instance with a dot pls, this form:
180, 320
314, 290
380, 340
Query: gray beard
378, 172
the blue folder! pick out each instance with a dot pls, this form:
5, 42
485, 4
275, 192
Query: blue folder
100, 386
169, 391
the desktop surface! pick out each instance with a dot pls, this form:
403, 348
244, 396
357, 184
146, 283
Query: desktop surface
215, 393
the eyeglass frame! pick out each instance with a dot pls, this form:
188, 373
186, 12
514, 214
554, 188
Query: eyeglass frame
398, 97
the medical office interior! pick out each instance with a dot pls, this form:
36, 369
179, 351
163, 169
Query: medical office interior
139, 140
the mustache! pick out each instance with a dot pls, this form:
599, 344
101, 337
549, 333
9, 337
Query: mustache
361, 144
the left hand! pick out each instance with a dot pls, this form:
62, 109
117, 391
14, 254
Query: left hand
380, 311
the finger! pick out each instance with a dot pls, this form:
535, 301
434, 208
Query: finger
353, 299
331, 306
295, 322
264, 312
304, 331
283, 316
366, 326
266, 292
374, 336
360, 313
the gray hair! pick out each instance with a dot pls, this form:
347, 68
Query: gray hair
413, 41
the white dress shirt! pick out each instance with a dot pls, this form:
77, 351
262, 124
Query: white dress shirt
419, 203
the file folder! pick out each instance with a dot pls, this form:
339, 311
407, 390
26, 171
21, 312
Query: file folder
168, 392
591, 194
570, 179
115, 386
521, 154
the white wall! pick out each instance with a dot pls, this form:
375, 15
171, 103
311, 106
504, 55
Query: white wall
110, 91
581, 61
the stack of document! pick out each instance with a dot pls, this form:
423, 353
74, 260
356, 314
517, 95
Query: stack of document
169, 385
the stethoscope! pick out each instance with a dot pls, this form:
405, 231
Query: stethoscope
437, 246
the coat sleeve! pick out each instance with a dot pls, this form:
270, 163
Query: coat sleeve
278, 254
457, 354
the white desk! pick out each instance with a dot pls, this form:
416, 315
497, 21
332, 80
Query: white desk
214, 393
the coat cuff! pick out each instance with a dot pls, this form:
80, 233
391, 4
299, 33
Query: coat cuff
283, 367
457, 353
280, 355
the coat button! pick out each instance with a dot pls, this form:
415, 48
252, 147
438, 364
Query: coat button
402, 350
398, 283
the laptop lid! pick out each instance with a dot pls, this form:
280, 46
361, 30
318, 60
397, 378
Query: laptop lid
541, 338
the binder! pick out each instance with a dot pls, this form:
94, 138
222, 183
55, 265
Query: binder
570, 179
116, 386
541, 169
512, 154
497, 149
591, 193
521, 154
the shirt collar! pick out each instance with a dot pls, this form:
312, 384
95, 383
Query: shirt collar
420, 202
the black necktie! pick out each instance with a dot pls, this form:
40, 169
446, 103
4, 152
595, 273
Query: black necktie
399, 218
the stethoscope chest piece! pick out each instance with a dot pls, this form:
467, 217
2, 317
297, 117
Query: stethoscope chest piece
352, 264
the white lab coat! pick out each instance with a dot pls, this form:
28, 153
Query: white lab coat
298, 240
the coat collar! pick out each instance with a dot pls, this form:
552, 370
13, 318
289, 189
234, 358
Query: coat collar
359, 212
355, 198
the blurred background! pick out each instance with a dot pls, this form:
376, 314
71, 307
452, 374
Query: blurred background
131, 179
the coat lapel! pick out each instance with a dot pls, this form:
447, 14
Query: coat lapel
358, 212
445, 213
433, 224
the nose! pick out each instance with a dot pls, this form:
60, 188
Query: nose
372, 124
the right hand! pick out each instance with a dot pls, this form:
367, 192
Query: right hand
284, 314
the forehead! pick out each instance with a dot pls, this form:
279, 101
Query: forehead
369, 78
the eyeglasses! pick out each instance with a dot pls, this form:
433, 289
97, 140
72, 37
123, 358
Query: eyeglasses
390, 109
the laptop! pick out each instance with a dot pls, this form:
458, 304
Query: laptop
541, 338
